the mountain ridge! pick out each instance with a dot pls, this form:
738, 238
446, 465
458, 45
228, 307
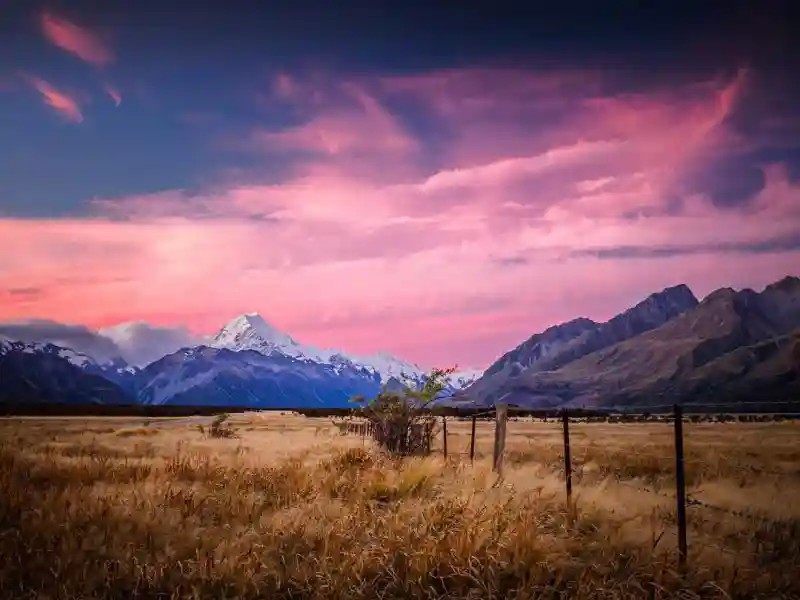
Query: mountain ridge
668, 347
667, 361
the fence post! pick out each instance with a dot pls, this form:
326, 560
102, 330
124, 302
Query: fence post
567, 462
444, 434
680, 483
428, 436
472, 441
499, 437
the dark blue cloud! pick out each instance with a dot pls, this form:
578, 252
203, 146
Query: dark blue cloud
214, 58
783, 244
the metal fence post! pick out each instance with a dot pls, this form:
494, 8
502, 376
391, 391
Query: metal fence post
472, 441
567, 462
680, 487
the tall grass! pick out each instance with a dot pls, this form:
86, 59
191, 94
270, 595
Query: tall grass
192, 517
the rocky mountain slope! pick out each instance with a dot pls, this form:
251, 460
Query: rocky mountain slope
723, 348
565, 343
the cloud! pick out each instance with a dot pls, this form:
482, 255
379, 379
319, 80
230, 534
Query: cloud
141, 343
76, 40
62, 102
113, 94
26, 292
77, 337
785, 243
473, 205
341, 126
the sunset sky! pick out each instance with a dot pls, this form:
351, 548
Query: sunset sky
436, 183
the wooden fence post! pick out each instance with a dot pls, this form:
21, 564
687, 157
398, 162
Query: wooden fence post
567, 462
501, 412
472, 441
444, 434
428, 436
680, 487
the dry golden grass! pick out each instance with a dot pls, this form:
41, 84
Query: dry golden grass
97, 508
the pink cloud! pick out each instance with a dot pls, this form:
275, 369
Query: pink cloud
62, 102
77, 40
363, 245
343, 122
114, 94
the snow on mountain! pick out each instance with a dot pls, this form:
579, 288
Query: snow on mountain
389, 366
79, 338
141, 343
464, 377
222, 377
253, 332
76, 358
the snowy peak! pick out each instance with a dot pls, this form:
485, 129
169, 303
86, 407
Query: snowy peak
252, 332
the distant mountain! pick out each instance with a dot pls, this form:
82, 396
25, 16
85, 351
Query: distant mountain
732, 346
252, 332
723, 349
535, 349
563, 344
45, 373
248, 362
222, 377
78, 338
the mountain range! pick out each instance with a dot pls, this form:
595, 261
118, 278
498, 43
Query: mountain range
247, 363
733, 346
730, 347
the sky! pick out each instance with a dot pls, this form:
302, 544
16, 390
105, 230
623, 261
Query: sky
432, 182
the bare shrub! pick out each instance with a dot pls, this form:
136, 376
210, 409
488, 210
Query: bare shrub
219, 428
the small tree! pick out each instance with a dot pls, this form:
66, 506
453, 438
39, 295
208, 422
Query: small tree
400, 420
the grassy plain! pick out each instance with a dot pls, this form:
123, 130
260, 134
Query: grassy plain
122, 508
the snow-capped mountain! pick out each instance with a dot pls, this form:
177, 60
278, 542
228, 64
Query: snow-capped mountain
253, 332
249, 361
77, 359
114, 369
79, 338
32, 372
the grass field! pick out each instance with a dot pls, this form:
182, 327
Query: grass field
119, 508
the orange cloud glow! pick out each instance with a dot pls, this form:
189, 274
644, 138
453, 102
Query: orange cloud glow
65, 104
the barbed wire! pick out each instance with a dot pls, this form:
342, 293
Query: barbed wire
695, 502
745, 514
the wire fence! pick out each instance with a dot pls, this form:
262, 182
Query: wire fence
676, 415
